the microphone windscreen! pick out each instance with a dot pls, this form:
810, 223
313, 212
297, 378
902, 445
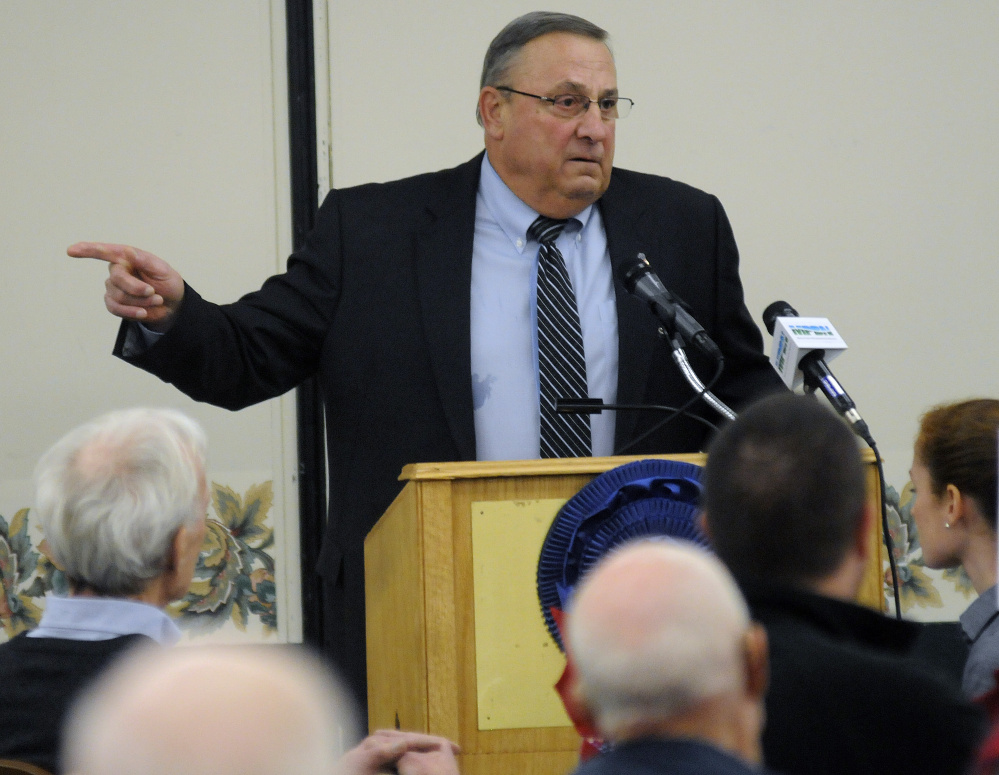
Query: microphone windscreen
631, 270
779, 309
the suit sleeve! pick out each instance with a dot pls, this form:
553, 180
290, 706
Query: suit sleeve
235, 355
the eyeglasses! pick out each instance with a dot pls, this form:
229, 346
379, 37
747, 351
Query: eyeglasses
573, 105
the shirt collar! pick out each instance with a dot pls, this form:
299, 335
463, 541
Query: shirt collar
979, 614
509, 211
103, 618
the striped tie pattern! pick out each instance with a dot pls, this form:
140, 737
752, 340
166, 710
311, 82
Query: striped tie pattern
561, 364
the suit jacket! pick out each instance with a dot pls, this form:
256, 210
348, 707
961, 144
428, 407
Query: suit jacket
376, 304
667, 756
846, 696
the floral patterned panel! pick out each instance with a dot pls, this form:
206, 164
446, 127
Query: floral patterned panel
18, 563
233, 582
920, 587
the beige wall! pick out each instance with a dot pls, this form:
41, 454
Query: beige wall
159, 124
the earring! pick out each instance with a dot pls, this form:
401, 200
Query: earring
947, 525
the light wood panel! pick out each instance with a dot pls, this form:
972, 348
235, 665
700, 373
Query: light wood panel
396, 617
421, 611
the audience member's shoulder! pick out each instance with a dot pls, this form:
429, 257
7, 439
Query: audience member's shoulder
10, 647
881, 703
22, 652
648, 756
841, 640
856, 658
784, 605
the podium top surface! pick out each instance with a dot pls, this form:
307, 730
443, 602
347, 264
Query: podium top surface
483, 469
480, 469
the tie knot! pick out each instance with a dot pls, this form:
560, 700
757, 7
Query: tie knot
546, 230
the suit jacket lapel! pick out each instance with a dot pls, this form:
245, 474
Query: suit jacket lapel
444, 275
636, 327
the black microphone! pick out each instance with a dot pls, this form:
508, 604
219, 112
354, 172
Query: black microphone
641, 281
817, 374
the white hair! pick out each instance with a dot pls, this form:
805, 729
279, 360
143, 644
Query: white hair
111, 495
243, 710
654, 629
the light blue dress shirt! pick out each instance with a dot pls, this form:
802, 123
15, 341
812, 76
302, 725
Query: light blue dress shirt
103, 618
504, 314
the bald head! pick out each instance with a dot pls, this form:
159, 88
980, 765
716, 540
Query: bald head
211, 711
656, 630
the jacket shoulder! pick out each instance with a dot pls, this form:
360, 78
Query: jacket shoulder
422, 188
629, 183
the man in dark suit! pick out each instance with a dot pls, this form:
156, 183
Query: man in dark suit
414, 301
784, 504
667, 666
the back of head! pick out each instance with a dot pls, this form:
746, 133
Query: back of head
784, 491
505, 47
655, 629
111, 495
211, 711
958, 445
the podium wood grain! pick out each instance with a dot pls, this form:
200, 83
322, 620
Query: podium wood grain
420, 606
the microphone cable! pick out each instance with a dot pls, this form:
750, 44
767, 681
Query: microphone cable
886, 534
682, 411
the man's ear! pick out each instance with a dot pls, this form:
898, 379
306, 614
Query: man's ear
862, 539
702, 523
178, 568
491, 107
757, 656
574, 701
176, 552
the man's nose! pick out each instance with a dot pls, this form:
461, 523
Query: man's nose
592, 123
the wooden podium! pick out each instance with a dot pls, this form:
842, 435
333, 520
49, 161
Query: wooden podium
425, 581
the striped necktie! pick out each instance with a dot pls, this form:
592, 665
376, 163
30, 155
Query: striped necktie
561, 364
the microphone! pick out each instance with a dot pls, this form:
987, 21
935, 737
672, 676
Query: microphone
817, 374
641, 281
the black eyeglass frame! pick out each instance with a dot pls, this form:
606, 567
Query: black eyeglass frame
554, 100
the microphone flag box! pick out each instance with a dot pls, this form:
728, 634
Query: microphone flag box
794, 338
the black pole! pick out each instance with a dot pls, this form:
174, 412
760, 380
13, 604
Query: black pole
304, 204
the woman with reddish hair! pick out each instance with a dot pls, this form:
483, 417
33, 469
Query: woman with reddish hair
954, 472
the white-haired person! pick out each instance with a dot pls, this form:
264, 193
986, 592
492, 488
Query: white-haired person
667, 665
233, 711
122, 502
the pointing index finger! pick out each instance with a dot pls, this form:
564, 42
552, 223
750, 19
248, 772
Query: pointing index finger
113, 254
